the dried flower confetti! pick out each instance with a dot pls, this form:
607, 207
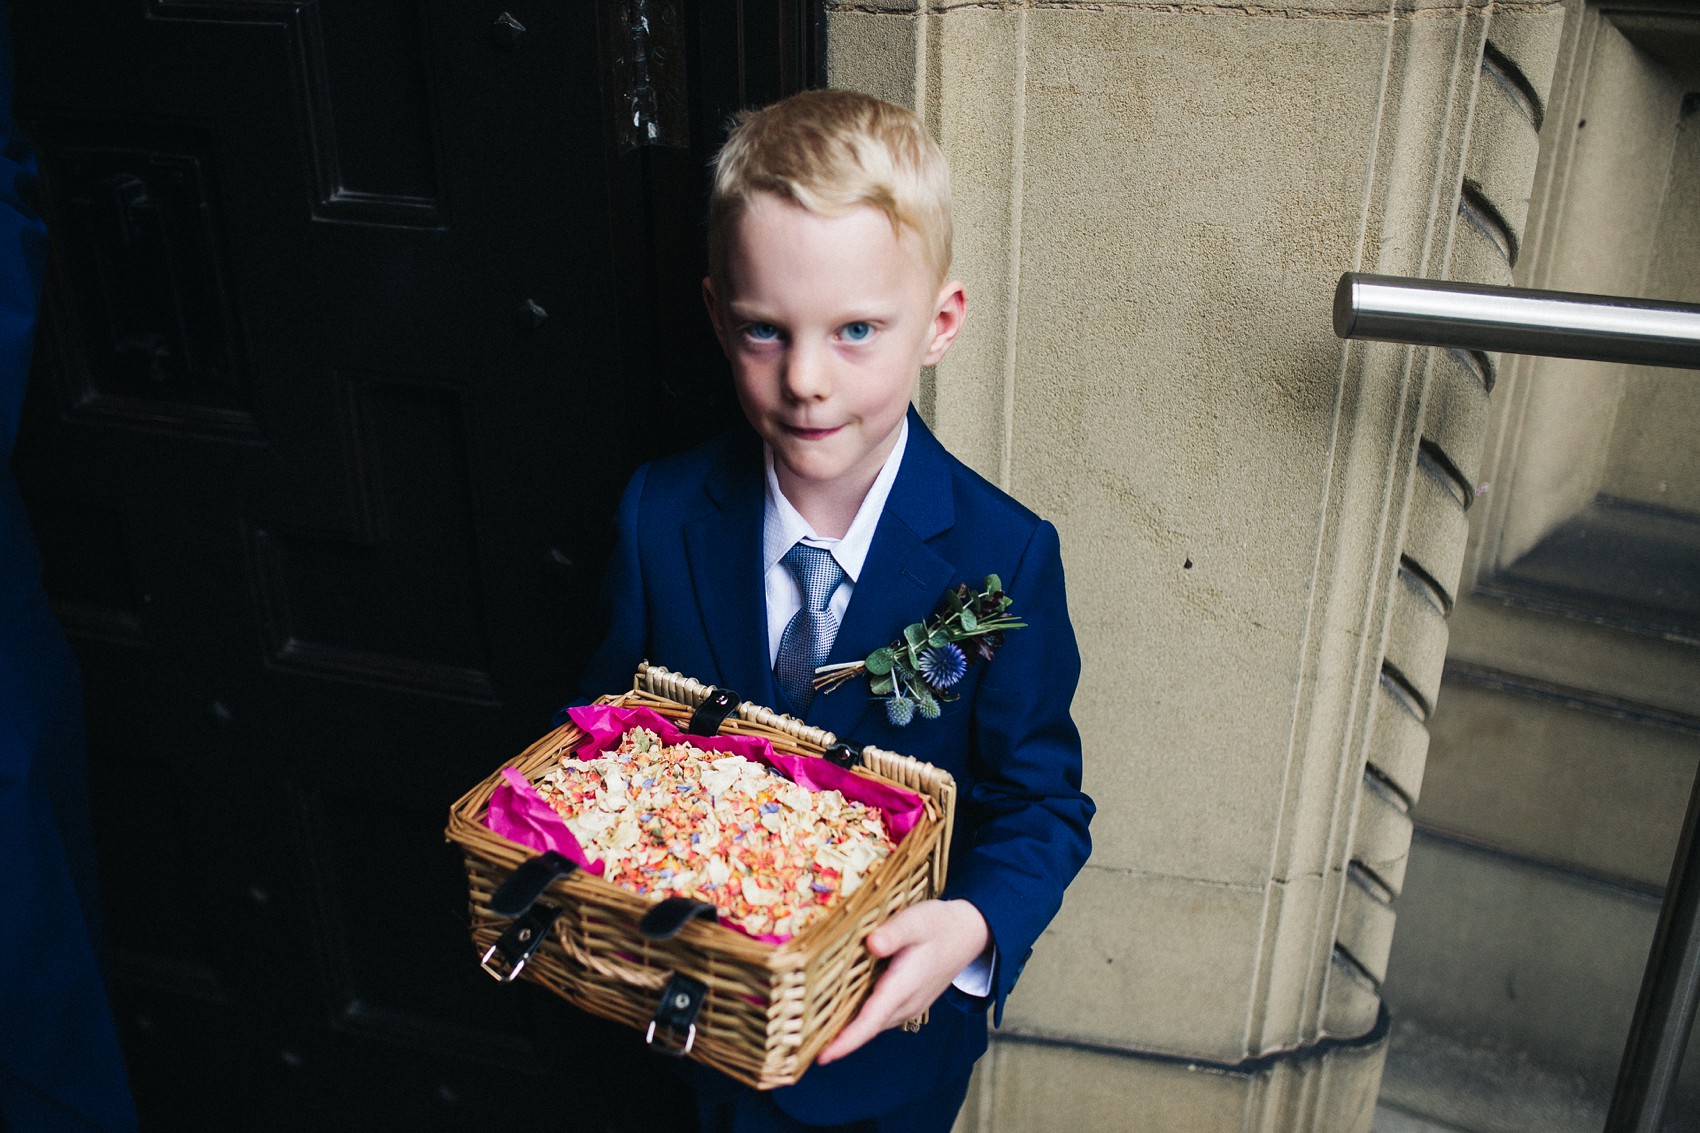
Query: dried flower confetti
675, 820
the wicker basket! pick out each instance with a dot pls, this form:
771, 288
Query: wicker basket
757, 1012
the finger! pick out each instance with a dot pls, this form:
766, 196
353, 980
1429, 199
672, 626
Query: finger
879, 1013
863, 1027
904, 928
849, 1040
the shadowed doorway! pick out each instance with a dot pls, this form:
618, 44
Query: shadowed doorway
359, 314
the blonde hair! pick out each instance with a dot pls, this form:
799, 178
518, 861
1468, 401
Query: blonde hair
831, 152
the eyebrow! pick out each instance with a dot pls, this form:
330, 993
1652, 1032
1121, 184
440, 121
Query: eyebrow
873, 313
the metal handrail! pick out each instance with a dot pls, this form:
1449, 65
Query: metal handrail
1609, 329
1558, 324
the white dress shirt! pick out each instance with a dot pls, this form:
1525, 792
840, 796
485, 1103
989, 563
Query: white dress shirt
782, 528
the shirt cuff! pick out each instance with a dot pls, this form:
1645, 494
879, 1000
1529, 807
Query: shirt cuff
976, 978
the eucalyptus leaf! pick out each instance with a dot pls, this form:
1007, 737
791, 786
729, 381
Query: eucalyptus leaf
893, 671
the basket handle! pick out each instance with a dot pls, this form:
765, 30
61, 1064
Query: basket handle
609, 968
663, 922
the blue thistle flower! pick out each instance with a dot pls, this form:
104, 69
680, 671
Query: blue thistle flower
943, 666
900, 710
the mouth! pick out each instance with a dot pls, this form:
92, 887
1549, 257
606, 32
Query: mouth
804, 433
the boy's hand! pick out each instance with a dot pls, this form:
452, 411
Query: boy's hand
929, 945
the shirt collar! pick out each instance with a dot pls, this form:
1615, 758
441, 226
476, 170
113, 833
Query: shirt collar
783, 526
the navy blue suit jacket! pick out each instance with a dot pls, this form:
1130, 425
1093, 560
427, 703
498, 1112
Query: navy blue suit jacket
685, 590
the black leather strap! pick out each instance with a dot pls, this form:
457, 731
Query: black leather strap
664, 921
505, 958
525, 884
712, 712
845, 755
676, 1016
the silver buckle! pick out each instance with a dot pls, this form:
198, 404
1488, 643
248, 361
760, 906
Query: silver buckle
690, 1038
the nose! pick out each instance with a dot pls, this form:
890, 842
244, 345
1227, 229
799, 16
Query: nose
807, 374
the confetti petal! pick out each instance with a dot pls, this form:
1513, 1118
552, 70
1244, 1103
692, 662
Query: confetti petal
657, 815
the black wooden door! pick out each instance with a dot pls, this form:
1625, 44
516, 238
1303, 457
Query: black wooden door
359, 314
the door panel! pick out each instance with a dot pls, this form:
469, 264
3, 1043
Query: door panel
359, 314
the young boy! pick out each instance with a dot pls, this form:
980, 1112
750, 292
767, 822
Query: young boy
829, 289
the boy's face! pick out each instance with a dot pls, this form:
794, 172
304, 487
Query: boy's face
827, 322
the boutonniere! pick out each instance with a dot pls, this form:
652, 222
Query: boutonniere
919, 671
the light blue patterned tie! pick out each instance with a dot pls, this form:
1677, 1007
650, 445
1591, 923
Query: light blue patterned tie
808, 636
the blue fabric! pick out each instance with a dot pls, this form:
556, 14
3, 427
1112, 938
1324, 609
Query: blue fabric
60, 1066
755, 1112
808, 636
684, 590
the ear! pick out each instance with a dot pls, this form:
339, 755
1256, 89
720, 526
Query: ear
948, 314
715, 315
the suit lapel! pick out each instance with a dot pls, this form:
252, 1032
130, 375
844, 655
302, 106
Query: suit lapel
724, 548
903, 578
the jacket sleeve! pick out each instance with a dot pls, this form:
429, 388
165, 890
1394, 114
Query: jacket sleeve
1026, 810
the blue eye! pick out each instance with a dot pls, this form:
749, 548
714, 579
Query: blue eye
856, 332
762, 332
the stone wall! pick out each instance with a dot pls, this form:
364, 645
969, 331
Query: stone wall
1565, 743
1263, 526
